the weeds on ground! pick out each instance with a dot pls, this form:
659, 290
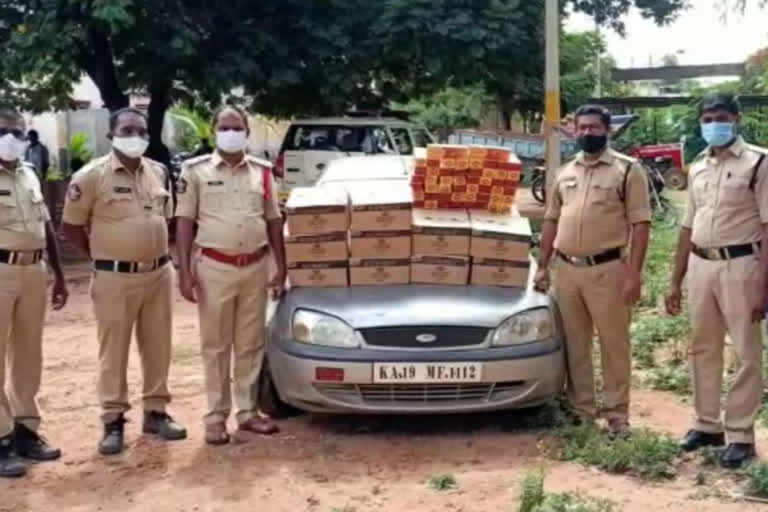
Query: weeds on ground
674, 377
757, 479
658, 263
644, 454
533, 498
651, 331
442, 482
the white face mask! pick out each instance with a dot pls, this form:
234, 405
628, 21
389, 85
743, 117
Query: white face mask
231, 141
132, 147
11, 148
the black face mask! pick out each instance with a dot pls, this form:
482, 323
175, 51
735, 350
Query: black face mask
592, 143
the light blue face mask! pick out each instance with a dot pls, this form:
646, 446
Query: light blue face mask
718, 134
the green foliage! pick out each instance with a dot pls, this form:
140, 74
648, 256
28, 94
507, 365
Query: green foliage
442, 482
644, 454
80, 147
190, 127
675, 378
450, 108
658, 263
652, 331
534, 499
757, 483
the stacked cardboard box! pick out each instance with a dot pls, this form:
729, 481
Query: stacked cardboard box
380, 233
316, 251
441, 243
500, 247
473, 177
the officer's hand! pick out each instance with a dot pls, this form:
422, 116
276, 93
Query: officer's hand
673, 301
188, 287
60, 294
277, 284
633, 287
541, 280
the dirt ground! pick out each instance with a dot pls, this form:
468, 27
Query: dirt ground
317, 463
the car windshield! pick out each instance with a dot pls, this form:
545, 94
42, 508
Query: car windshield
325, 138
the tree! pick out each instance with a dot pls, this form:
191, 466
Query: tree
449, 108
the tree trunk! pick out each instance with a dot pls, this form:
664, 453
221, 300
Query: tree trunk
506, 116
98, 62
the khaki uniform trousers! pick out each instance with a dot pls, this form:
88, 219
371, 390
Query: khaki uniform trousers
121, 301
22, 312
589, 298
721, 296
232, 310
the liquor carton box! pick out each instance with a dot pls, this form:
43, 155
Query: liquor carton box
318, 274
441, 232
427, 269
317, 210
380, 206
447, 152
380, 244
317, 248
376, 272
500, 237
493, 272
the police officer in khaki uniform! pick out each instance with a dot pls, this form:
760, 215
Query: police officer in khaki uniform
723, 243
230, 196
25, 231
116, 211
598, 205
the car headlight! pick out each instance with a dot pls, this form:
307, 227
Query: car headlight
319, 329
526, 327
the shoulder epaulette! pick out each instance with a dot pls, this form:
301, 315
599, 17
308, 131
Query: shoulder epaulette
95, 164
197, 159
258, 161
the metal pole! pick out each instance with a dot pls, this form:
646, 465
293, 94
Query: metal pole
552, 85
598, 65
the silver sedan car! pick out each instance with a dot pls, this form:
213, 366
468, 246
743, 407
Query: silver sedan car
410, 348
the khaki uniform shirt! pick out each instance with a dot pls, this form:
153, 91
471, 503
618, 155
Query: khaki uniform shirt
227, 203
593, 207
23, 213
125, 211
722, 210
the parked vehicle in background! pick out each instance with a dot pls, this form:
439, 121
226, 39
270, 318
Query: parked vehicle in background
311, 144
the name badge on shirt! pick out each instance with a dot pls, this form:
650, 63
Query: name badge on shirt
122, 190
215, 183
5, 193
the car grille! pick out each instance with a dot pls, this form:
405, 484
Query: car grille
415, 394
405, 337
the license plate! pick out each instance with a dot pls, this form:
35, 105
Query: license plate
426, 373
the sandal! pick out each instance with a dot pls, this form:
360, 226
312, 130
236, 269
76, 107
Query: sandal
216, 434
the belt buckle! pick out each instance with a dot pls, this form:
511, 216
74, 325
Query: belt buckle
145, 266
577, 262
713, 254
241, 260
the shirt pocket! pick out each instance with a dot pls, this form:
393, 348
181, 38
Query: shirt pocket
568, 189
120, 205
159, 198
736, 191
212, 197
8, 210
702, 191
604, 193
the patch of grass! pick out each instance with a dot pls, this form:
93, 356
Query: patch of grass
442, 482
644, 454
757, 479
651, 331
673, 378
533, 498
658, 263
710, 455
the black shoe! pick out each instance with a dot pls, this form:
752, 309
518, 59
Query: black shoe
30, 445
10, 465
696, 439
112, 443
161, 424
736, 454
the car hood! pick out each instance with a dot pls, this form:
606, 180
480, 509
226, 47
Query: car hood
417, 305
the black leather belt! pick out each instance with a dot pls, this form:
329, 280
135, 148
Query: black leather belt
591, 261
728, 252
20, 257
130, 267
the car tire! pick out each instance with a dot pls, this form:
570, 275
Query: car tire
269, 399
675, 179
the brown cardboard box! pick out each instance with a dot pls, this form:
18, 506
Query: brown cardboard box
377, 272
380, 244
316, 248
453, 270
490, 272
330, 273
441, 232
501, 237
380, 206
317, 210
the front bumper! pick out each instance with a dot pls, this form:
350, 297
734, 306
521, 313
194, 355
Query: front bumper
512, 377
